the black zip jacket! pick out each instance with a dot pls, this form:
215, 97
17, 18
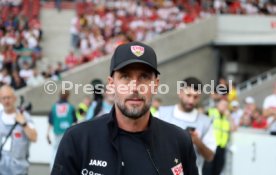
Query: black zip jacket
93, 148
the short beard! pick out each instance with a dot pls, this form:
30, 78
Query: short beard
183, 106
133, 113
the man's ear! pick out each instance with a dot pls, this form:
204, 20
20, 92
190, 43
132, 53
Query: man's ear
110, 89
110, 80
180, 92
157, 82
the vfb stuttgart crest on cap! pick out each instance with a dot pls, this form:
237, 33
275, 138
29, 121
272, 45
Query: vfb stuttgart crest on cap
137, 50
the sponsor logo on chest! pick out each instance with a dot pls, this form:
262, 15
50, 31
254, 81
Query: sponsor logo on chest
99, 163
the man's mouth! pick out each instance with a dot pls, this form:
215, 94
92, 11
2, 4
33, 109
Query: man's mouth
135, 100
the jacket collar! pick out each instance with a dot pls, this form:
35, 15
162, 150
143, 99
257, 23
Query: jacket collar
114, 128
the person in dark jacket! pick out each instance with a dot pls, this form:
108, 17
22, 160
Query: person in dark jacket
128, 140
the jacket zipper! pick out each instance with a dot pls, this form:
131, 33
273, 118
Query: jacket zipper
154, 165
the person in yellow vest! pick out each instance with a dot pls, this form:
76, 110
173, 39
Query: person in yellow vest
222, 128
156, 102
82, 109
233, 94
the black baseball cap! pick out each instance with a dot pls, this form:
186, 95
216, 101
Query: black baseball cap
133, 52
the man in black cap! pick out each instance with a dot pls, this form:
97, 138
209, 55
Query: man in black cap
128, 140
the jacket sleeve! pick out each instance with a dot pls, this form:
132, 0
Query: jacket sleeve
66, 161
193, 169
189, 159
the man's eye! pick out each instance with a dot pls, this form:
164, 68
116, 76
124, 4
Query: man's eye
124, 77
145, 77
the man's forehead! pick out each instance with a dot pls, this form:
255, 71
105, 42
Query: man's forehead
191, 90
6, 92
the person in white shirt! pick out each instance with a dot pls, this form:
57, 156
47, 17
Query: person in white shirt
5, 78
26, 72
236, 113
15, 146
269, 110
74, 30
185, 115
36, 80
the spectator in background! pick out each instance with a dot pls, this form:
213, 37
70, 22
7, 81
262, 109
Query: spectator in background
71, 60
185, 115
234, 7
61, 117
250, 7
245, 121
36, 80
58, 5
82, 109
219, 6
52, 73
236, 112
271, 8
5, 77
10, 57
213, 100
232, 95
37, 53
74, 30
17, 82
156, 103
259, 121
223, 88
25, 56
100, 106
60, 68
102, 103
18, 46
269, 110
248, 112
220, 92
85, 47
223, 125
1, 60
27, 72
15, 151
32, 41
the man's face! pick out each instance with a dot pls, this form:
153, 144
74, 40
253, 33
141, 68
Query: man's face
133, 86
189, 98
222, 106
235, 108
156, 104
7, 99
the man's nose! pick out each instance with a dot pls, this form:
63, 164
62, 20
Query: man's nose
133, 87
191, 100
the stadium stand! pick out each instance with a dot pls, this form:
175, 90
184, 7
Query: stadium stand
100, 26
20, 37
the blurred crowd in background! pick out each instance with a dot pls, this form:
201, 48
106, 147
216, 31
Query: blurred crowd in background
101, 25
97, 29
20, 37
243, 114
